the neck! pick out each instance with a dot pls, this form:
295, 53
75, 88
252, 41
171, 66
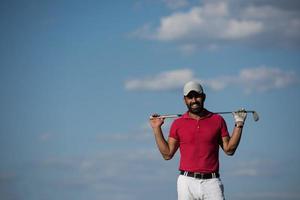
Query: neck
199, 115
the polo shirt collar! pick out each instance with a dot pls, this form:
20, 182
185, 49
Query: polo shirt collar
187, 116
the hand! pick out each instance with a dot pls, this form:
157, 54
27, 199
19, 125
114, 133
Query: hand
156, 121
240, 115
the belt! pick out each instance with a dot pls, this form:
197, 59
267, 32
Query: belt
200, 175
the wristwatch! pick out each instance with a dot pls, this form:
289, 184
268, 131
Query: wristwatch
239, 126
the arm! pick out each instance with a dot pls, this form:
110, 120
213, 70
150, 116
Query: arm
230, 144
166, 148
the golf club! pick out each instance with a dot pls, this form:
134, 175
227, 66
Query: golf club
254, 113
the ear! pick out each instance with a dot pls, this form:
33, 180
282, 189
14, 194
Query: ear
204, 96
184, 99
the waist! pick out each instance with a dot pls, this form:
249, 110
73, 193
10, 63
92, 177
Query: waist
198, 175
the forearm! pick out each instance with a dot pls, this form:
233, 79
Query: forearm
161, 143
234, 140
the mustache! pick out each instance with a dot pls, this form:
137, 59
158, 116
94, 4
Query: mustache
195, 103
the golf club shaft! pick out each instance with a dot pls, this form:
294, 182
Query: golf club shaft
229, 112
255, 115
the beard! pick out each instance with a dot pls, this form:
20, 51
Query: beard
195, 108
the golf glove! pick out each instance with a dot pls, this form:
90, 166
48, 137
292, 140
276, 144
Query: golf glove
240, 115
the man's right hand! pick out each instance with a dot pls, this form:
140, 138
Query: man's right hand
156, 121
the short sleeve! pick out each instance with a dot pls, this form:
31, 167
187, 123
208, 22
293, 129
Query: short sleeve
174, 131
223, 128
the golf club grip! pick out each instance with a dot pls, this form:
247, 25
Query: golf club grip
167, 116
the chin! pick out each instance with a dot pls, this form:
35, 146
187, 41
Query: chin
196, 111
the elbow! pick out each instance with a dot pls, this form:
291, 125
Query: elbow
167, 156
230, 152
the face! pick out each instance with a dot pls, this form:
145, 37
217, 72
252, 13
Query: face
194, 102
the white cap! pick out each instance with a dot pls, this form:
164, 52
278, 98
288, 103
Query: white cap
192, 86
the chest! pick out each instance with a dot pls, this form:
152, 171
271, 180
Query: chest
199, 132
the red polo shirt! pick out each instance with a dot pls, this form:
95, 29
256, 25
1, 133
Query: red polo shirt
199, 141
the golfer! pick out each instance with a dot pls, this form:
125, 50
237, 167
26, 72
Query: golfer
198, 134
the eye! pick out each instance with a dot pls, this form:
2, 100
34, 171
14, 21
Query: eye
193, 95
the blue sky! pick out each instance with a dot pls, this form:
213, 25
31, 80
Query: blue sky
79, 79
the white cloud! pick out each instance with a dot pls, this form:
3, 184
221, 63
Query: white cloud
263, 78
259, 79
164, 81
219, 22
212, 20
266, 12
178, 25
198, 22
241, 29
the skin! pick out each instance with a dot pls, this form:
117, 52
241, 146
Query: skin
195, 105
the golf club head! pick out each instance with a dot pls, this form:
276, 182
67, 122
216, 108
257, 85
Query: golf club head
255, 116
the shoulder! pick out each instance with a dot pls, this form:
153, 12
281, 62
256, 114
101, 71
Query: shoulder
213, 115
219, 121
181, 120
216, 118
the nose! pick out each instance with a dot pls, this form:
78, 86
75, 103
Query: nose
194, 99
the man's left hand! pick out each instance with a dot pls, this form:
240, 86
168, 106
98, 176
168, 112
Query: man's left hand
240, 115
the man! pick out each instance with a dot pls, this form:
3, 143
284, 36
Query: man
198, 134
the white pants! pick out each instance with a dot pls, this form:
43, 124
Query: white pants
190, 188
